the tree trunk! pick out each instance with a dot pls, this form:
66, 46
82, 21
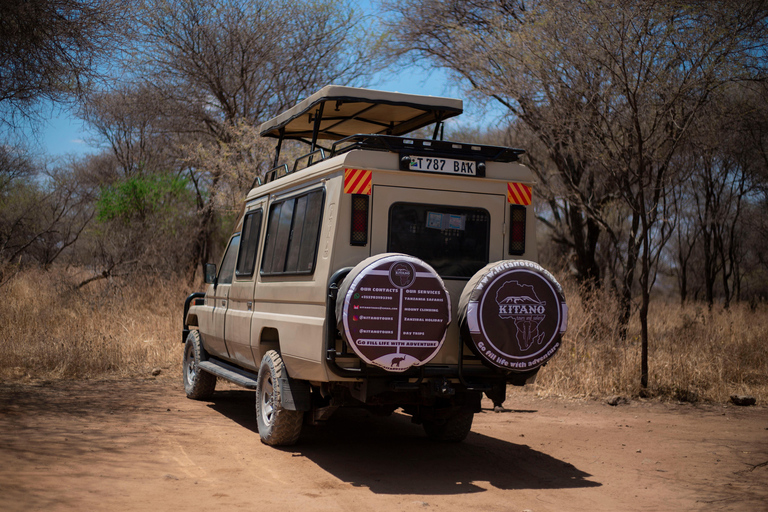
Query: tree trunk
625, 300
646, 300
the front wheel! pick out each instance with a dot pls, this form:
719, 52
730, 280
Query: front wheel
198, 384
278, 426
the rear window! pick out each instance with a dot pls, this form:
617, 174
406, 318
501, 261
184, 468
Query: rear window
454, 240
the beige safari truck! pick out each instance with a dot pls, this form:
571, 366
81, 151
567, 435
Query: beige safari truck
379, 270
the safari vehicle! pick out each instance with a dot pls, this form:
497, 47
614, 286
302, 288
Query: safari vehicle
379, 271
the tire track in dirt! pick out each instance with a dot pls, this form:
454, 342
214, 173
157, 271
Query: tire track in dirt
140, 444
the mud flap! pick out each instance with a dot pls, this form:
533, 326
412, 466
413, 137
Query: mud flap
295, 394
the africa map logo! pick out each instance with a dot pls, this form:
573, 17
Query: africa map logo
519, 303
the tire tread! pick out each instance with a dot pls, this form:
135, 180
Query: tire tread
203, 384
453, 430
286, 424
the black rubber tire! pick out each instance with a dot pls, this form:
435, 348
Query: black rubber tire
453, 429
278, 426
198, 384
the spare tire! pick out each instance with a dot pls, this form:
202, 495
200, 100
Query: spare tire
393, 310
512, 314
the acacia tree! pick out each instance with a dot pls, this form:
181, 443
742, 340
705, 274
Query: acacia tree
726, 158
43, 211
610, 88
219, 65
127, 122
50, 49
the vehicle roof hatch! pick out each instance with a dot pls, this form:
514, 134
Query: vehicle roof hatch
336, 112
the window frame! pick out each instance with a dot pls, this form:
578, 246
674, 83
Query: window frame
234, 237
291, 251
427, 206
245, 241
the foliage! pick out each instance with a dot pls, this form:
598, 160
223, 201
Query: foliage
697, 354
109, 328
143, 196
611, 90
645, 123
43, 211
114, 327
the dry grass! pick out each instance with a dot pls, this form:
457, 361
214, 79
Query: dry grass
106, 329
130, 328
694, 354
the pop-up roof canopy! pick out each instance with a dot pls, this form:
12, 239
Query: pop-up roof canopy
345, 111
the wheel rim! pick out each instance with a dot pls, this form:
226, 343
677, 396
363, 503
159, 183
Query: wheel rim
190, 363
267, 408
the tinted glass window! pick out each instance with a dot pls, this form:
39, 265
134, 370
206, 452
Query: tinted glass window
269, 245
292, 233
454, 240
300, 211
283, 235
311, 232
227, 270
250, 243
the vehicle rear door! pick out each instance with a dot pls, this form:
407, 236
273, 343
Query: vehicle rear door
457, 233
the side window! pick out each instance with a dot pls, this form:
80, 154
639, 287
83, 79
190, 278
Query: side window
292, 233
246, 259
227, 270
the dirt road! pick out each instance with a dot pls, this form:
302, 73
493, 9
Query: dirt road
141, 445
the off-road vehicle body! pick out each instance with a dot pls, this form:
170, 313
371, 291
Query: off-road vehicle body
379, 271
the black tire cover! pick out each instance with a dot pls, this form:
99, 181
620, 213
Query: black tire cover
512, 314
394, 311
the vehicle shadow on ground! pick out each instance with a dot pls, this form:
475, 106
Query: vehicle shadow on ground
391, 455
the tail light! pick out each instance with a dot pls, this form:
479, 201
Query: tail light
359, 231
517, 230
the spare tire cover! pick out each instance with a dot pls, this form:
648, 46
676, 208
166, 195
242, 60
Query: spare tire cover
394, 311
512, 314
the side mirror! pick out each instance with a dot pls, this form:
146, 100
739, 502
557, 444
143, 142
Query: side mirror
210, 273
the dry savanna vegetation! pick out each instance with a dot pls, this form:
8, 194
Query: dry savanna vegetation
109, 328
644, 124
132, 328
695, 354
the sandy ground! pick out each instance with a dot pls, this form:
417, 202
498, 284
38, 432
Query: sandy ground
141, 445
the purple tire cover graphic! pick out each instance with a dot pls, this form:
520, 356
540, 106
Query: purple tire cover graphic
513, 314
394, 311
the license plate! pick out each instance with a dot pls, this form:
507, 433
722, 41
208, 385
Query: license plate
443, 165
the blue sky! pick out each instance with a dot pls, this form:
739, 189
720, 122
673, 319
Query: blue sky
64, 134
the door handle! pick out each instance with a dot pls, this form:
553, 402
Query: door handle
223, 302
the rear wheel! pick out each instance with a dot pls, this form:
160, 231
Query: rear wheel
452, 429
278, 426
198, 384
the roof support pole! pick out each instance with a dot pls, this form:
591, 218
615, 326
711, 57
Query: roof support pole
316, 128
279, 145
438, 125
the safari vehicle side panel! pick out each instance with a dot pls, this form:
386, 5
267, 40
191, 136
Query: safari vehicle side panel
290, 309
